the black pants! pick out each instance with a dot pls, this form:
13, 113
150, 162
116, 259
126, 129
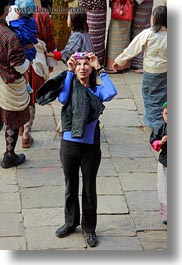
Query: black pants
87, 157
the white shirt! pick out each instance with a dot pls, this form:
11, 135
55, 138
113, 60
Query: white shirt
155, 50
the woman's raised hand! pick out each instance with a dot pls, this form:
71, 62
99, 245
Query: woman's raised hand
71, 63
93, 60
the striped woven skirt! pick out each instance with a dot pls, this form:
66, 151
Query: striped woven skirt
96, 20
154, 92
141, 21
162, 190
118, 40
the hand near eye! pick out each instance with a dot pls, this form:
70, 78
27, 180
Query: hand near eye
93, 60
71, 63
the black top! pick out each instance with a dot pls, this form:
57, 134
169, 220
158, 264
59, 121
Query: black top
157, 135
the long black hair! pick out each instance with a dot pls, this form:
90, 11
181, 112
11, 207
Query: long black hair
78, 19
159, 18
3, 4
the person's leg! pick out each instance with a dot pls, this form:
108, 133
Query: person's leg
162, 191
69, 155
89, 165
10, 158
27, 139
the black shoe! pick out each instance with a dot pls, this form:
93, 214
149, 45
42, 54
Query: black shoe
12, 160
64, 230
164, 222
91, 238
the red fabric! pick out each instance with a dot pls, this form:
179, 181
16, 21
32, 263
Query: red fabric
45, 29
57, 55
45, 32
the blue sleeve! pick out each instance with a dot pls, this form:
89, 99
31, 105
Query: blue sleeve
107, 90
65, 91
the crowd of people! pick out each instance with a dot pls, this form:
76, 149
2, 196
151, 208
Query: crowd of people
29, 54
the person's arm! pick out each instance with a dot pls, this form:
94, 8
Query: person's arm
107, 90
65, 91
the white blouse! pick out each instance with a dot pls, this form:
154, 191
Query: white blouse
154, 46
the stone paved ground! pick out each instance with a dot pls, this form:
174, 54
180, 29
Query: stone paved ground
32, 195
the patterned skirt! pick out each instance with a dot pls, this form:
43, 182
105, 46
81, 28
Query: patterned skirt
118, 40
15, 119
97, 29
141, 21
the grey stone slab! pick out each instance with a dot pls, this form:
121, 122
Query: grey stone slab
153, 240
120, 118
108, 185
125, 135
12, 243
44, 123
116, 103
130, 150
115, 225
106, 168
43, 238
41, 176
42, 142
123, 90
39, 163
43, 217
10, 203
8, 188
142, 200
135, 165
138, 181
149, 220
138, 98
11, 224
45, 197
105, 150
46, 110
42, 154
133, 78
109, 204
8, 181
8, 176
118, 243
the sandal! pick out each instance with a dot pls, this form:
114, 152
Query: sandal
27, 143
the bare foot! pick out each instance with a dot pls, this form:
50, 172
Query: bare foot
139, 71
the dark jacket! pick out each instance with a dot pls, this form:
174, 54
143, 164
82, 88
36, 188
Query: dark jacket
157, 135
82, 108
50, 90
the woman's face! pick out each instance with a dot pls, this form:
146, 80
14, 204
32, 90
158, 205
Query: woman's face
83, 69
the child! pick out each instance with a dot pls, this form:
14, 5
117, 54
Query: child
25, 29
153, 41
158, 140
79, 40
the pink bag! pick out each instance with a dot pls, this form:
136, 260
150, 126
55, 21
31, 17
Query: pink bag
122, 10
